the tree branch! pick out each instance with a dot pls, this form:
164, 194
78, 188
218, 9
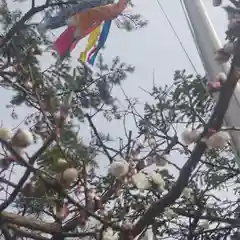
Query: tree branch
99, 138
28, 171
6, 233
19, 25
22, 233
31, 223
215, 122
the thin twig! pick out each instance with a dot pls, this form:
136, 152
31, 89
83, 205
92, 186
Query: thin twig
99, 138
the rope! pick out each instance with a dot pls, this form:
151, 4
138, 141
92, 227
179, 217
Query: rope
178, 38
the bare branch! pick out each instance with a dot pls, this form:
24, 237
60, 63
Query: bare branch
30, 223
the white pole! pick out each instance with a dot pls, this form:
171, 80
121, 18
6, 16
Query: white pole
207, 43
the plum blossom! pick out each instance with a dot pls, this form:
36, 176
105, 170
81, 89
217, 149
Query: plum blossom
5, 134
69, 176
119, 169
187, 193
221, 76
190, 136
141, 181
218, 140
22, 139
158, 180
108, 234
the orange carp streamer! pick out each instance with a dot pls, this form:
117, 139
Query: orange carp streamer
81, 24
94, 16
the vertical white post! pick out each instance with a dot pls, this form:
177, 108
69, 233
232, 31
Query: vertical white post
207, 43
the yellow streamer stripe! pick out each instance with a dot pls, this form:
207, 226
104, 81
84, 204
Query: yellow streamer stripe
93, 37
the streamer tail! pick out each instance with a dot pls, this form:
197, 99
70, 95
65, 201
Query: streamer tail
101, 42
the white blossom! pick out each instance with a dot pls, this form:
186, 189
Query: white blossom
157, 179
190, 136
218, 140
169, 213
119, 169
28, 85
187, 193
221, 77
108, 234
5, 134
141, 181
70, 175
22, 138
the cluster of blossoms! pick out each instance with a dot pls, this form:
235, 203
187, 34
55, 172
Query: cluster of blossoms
224, 54
143, 179
19, 141
214, 140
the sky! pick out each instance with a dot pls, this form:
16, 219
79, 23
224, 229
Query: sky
153, 49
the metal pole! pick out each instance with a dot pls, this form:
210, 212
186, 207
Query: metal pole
207, 43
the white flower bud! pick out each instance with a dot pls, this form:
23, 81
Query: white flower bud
69, 176
5, 134
221, 77
28, 85
22, 139
187, 192
141, 181
189, 136
218, 140
157, 178
108, 234
119, 169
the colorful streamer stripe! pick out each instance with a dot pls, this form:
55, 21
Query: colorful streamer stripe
82, 24
92, 40
102, 40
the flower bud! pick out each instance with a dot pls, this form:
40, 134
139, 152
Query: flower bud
22, 138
